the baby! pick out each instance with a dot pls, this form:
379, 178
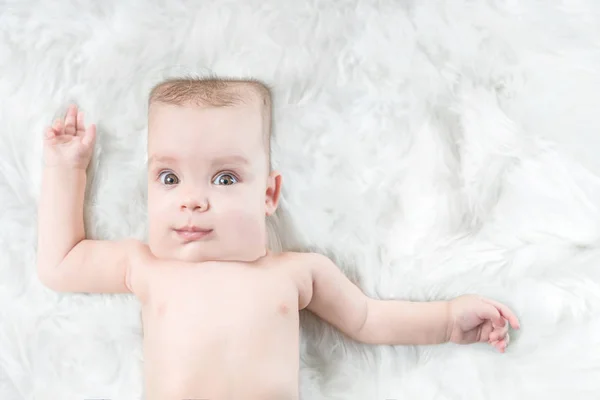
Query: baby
219, 308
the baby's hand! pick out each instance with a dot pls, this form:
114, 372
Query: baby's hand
477, 319
67, 143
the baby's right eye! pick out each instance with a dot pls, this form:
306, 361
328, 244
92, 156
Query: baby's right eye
168, 178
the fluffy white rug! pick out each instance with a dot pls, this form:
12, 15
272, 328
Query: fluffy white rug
433, 148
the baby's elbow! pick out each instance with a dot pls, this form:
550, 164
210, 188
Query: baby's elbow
365, 332
49, 277
52, 276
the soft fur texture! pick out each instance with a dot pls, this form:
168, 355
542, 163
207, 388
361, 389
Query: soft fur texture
432, 148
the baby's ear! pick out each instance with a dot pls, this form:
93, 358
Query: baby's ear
273, 192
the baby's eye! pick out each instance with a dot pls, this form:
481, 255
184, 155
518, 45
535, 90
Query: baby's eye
168, 178
225, 179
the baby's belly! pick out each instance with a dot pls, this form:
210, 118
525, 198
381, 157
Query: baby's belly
210, 344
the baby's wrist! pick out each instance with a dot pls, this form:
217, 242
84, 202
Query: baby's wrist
65, 173
449, 321
65, 166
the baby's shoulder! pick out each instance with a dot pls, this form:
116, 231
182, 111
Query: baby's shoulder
297, 258
138, 248
140, 258
300, 266
290, 260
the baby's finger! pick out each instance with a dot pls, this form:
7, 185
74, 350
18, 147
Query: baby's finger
501, 346
497, 344
70, 121
89, 136
490, 312
499, 333
49, 133
506, 312
58, 127
495, 336
485, 330
80, 124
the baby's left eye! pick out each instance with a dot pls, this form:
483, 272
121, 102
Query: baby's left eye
225, 179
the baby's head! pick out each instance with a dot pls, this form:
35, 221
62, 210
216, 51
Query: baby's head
210, 184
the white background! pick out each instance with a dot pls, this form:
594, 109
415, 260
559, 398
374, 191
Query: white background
433, 148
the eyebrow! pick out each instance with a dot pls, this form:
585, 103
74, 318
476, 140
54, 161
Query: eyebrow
233, 159
161, 159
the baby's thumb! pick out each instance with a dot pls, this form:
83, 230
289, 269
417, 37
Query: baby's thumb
90, 135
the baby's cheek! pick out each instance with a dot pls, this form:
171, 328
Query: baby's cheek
156, 218
159, 223
246, 224
243, 220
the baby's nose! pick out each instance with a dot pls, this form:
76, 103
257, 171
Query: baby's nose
194, 204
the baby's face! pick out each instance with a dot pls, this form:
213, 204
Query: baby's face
209, 187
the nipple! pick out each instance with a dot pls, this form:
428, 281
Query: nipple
283, 308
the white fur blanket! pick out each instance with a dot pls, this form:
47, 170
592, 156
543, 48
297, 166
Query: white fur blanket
433, 148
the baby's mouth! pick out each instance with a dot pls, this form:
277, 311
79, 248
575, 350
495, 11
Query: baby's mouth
192, 233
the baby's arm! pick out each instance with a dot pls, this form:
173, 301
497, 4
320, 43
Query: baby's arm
466, 319
66, 260
341, 303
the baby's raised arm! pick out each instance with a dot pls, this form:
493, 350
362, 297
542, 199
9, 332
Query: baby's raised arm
66, 260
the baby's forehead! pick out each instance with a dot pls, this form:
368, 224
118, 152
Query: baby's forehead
173, 120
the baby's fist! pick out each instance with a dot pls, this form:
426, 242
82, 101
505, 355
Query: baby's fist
477, 319
68, 143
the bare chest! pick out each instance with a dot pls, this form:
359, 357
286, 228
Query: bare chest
222, 294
